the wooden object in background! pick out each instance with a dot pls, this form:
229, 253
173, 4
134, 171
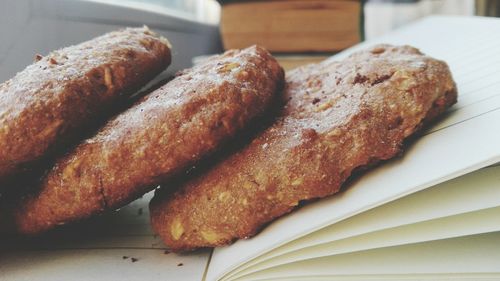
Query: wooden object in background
292, 25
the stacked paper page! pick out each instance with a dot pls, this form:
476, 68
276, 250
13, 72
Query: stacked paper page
311, 240
451, 209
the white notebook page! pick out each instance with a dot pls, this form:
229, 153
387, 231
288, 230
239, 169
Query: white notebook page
479, 222
463, 206
472, 257
466, 140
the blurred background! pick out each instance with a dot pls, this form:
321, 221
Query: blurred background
296, 31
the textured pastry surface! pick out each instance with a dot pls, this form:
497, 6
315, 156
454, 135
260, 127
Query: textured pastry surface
165, 132
52, 99
338, 116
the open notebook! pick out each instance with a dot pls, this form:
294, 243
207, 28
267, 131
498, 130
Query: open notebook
365, 232
431, 214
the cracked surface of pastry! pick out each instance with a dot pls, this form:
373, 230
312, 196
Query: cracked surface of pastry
49, 103
161, 135
338, 116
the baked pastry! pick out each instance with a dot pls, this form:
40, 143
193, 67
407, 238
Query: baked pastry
51, 101
162, 134
338, 116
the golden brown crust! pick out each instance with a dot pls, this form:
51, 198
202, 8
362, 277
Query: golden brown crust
339, 116
51, 100
162, 134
